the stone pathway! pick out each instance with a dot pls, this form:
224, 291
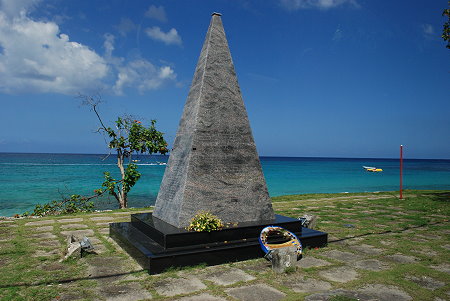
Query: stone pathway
389, 265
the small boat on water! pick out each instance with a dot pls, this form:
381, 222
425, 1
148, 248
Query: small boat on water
372, 169
135, 161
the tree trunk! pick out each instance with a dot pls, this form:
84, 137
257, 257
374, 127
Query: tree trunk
122, 194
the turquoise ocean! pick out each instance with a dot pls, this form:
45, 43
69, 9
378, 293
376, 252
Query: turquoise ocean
29, 179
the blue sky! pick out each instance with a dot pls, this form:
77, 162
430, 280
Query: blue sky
334, 78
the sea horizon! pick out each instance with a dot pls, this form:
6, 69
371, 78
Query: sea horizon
260, 156
27, 179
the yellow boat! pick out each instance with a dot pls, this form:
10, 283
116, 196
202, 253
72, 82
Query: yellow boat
372, 169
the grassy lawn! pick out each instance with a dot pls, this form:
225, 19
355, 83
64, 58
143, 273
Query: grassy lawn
409, 238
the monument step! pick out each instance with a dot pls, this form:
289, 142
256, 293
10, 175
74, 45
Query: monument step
155, 258
169, 236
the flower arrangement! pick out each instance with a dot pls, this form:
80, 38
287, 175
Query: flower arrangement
205, 221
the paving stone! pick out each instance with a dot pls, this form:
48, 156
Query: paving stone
308, 285
202, 297
257, 292
103, 224
101, 218
175, 286
370, 264
258, 266
352, 295
367, 249
227, 277
49, 243
42, 253
71, 220
44, 235
312, 262
52, 266
98, 245
106, 269
443, 267
103, 230
385, 292
386, 242
339, 274
78, 233
426, 282
40, 223
43, 229
426, 252
446, 247
341, 256
124, 292
400, 258
73, 226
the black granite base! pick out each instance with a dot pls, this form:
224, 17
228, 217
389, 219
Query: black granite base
157, 245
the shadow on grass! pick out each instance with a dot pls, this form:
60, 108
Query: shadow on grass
388, 231
63, 281
441, 196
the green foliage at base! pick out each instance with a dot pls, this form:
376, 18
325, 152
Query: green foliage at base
76, 203
205, 221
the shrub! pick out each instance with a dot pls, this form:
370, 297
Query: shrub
205, 221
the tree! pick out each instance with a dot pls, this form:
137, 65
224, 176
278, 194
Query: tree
128, 137
446, 29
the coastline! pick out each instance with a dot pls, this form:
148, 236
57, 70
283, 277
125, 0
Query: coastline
317, 197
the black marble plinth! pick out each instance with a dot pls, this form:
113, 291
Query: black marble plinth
157, 245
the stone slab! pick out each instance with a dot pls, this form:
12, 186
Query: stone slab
106, 269
341, 256
125, 292
202, 297
312, 262
370, 265
87, 232
344, 294
443, 267
386, 292
340, 274
256, 292
308, 285
71, 220
43, 229
74, 226
170, 287
44, 235
426, 282
400, 258
101, 218
40, 223
227, 277
366, 249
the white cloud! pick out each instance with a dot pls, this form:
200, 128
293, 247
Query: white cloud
337, 36
125, 26
36, 57
157, 13
143, 75
320, 4
171, 37
137, 74
428, 30
13, 8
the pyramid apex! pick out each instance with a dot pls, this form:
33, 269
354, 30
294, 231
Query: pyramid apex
216, 14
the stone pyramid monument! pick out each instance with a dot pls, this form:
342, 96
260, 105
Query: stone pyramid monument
214, 165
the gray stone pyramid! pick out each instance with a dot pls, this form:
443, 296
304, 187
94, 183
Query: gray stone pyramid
214, 165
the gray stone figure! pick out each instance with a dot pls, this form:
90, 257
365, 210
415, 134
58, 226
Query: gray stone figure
214, 165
